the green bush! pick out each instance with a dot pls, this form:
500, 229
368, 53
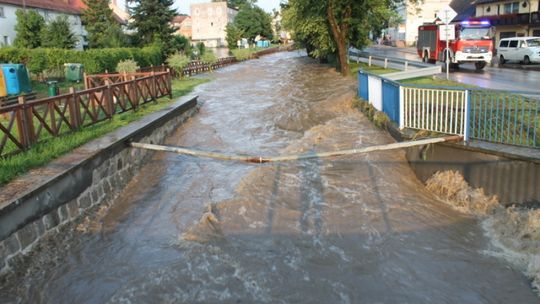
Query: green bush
209, 57
178, 62
242, 54
127, 66
94, 61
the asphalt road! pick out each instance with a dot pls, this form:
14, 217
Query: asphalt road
491, 77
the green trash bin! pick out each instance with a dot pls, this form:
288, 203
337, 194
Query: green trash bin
74, 72
53, 89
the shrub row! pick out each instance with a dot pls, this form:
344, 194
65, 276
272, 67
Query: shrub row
94, 61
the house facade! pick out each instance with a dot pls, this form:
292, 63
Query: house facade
50, 10
510, 18
404, 29
209, 21
183, 25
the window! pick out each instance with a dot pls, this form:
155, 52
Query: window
6, 40
504, 43
2, 12
511, 8
513, 43
488, 9
218, 11
503, 35
536, 33
533, 42
210, 11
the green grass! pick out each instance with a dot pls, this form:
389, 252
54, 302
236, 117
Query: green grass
374, 69
433, 81
41, 88
43, 153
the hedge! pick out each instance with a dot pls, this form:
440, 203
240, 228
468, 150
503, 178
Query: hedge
94, 60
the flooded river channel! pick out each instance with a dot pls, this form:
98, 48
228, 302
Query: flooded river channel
356, 229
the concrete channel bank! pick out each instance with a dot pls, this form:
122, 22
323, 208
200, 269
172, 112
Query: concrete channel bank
45, 200
512, 173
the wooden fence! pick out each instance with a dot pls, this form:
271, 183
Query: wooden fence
28, 123
194, 67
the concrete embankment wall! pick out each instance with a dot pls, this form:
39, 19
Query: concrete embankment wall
90, 176
514, 180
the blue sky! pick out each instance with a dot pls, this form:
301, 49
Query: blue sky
183, 5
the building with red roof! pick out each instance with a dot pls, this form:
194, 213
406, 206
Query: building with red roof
183, 26
49, 9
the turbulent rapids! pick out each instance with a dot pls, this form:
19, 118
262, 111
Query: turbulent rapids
355, 229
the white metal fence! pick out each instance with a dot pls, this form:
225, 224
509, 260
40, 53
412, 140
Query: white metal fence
438, 110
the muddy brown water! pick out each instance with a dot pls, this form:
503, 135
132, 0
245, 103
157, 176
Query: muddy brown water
358, 229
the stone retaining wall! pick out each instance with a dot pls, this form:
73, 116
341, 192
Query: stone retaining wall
94, 175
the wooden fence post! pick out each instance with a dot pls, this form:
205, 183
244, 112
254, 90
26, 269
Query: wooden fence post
169, 83
85, 81
74, 109
53, 126
153, 88
133, 92
25, 124
109, 100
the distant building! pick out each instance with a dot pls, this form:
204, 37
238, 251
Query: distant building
209, 21
404, 31
50, 9
184, 25
121, 13
510, 18
279, 32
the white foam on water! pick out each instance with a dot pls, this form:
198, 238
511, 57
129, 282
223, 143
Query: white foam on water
514, 232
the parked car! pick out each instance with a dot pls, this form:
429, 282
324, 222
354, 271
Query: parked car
521, 49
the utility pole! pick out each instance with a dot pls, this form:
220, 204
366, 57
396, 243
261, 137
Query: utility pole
447, 15
446, 51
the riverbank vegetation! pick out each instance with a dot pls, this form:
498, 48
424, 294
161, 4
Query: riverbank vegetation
43, 153
328, 27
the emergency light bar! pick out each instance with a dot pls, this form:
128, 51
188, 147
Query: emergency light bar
484, 22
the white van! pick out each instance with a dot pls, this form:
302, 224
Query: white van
522, 49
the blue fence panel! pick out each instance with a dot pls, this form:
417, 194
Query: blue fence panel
390, 100
505, 117
363, 87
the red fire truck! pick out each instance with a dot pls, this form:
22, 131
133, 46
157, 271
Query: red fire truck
472, 43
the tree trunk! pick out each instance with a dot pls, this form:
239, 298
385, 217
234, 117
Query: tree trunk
343, 62
340, 34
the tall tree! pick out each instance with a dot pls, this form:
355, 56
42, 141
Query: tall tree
233, 35
57, 34
103, 30
327, 26
253, 21
152, 20
28, 29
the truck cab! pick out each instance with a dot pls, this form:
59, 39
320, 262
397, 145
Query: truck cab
472, 43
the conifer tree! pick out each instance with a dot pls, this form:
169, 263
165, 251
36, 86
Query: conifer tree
152, 20
57, 34
28, 28
103, 30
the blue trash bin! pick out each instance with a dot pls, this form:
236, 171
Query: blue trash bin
16, 78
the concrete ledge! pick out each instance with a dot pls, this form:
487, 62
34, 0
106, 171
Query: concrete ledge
48, 197
510, 172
